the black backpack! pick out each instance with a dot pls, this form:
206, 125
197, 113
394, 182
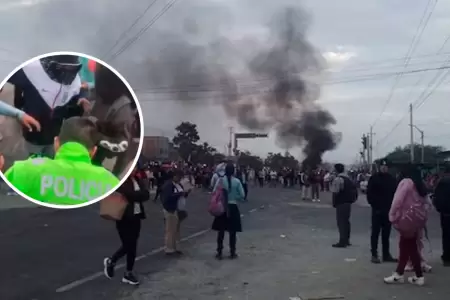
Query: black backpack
350, 189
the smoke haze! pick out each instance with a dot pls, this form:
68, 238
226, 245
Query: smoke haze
279, 92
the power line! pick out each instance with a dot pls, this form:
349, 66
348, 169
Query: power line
412, 47
271, 78
368, 63
170, 90
381, 65
422, 77
126, 31
419, 102
433, 90
144, 29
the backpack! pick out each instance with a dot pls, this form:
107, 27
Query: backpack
413, 219
350, 189
219, 199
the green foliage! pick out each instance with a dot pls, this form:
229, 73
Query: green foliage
187, 142
277, 161
247, 159
402, 154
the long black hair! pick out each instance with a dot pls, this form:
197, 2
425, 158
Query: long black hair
229, 172
413, 173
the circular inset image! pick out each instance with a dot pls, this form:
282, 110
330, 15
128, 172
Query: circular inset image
76, 133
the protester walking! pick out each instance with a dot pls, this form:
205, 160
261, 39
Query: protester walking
380, 193
315, 186
409, 214
441, 200
305, 184
173, 198
345, 193
229, 221
135, 193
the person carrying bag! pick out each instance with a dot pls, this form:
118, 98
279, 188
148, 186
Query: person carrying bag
173, 197
128, 227
230, 219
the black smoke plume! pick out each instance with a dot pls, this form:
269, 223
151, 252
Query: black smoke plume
285, 68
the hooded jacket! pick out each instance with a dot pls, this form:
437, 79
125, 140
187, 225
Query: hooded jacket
46, 100
220, 172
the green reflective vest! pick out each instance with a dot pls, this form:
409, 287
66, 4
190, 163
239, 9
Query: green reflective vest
68, 179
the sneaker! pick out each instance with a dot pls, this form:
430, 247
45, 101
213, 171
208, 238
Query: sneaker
446, 263
313, 200
390, 259
318, 200
11, 193
375, 260
218, 256
426, 268
417, 280
233, 256
108, 268
129, 278
394, 278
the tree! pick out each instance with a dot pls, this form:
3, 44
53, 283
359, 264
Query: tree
402, 154
206, 154
277, 161
247, 159
185, 140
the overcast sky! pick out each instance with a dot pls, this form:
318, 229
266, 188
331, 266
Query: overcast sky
358, 39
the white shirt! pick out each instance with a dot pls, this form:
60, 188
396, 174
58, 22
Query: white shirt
182, 201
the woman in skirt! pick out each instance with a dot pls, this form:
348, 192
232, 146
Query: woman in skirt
231, 220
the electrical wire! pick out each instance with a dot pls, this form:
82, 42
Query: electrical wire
126, 31
135, 38
416, 39
248, 82
418, 103
168, 90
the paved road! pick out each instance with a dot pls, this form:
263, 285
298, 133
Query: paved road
44, 249
285, 253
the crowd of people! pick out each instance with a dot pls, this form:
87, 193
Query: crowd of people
403, 201
174, 185
399, 201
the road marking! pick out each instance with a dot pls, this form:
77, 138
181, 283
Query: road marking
94, 276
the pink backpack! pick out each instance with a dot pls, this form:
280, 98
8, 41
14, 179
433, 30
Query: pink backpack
413, 219
217, 202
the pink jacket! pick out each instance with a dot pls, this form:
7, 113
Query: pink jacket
406, 195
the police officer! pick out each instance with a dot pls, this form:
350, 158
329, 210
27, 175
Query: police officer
380, 193
70, 178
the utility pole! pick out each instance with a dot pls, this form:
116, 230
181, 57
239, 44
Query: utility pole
230, 142
365, 149
370, 148
422, 144
411, 125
